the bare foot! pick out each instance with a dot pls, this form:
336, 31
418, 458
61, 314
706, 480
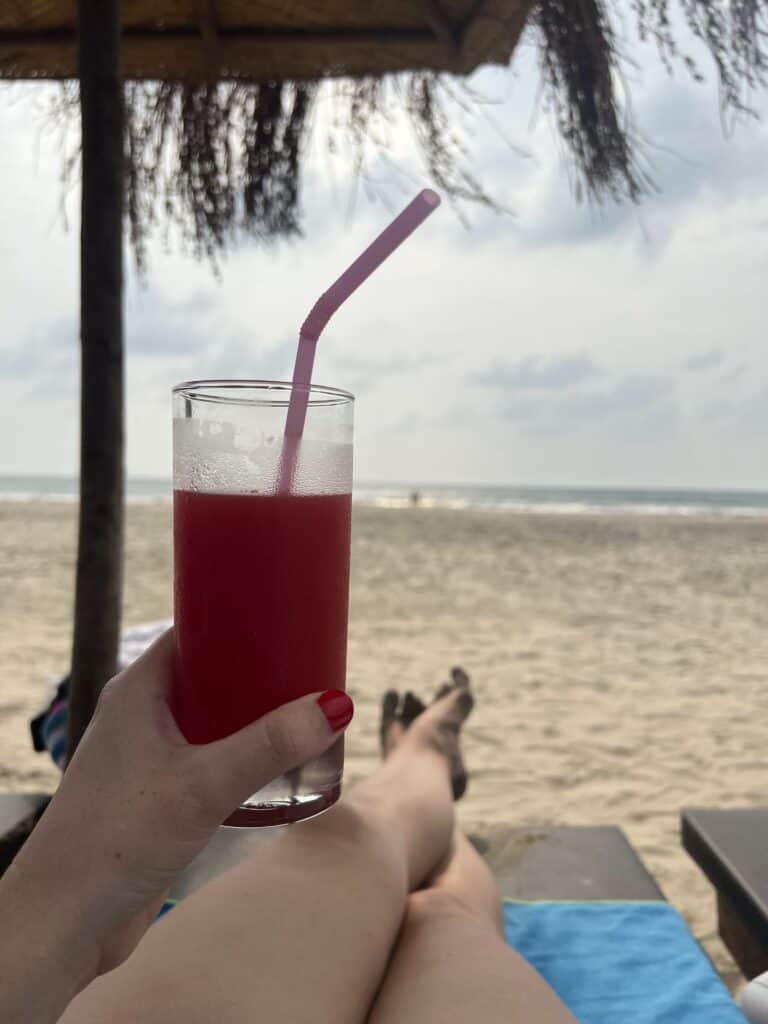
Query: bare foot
437, 725
459, 681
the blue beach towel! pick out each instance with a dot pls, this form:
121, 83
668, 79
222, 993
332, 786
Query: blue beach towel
621, 963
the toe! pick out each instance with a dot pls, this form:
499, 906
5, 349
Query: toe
460, 678
389, 703
459, 785
412, 708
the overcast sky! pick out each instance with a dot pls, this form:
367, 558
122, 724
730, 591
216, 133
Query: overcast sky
555, 345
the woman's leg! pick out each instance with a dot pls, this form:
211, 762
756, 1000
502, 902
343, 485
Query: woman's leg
452, 965
303, 930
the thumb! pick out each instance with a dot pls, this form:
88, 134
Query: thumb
241, 764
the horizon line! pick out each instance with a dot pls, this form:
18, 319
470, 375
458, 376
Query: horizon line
416, 484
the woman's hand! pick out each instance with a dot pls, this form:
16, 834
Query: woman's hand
137, 803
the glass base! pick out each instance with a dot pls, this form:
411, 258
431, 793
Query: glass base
253, 814
299, 794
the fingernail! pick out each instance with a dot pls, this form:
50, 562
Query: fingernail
337, 708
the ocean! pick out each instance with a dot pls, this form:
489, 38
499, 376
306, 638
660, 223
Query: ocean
554, 499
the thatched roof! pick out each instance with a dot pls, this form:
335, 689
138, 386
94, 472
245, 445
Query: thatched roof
222, 92
259, 40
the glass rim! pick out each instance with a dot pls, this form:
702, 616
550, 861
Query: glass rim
203, 391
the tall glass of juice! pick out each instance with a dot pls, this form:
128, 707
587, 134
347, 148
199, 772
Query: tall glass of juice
261, 580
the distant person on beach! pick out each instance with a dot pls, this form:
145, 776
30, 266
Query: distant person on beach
415, 499
377, 911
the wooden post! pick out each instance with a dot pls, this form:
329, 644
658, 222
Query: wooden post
100, 535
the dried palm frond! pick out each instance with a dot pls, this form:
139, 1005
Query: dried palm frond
213, 160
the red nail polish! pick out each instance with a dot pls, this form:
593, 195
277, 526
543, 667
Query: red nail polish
337, 708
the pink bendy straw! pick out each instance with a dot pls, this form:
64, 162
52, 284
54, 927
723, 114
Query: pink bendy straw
415, 213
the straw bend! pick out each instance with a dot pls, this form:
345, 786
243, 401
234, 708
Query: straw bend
318, 317
415, 213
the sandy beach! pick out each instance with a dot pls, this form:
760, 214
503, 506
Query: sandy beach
619, 661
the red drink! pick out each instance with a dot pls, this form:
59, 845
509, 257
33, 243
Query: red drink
261, 595
262, 570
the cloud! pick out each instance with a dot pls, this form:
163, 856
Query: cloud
625, 396
46, 360
733, 374
706, 360
361, 373
681, 141
721, 410
535, 372
455, 418
196, 336
199, 301
755, 410
233, 355
156, 327
632, 406
568, 393
242, 354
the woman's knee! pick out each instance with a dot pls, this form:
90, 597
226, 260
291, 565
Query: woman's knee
347, 836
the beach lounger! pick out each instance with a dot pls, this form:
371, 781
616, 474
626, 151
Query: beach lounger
731, 848
579, 904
